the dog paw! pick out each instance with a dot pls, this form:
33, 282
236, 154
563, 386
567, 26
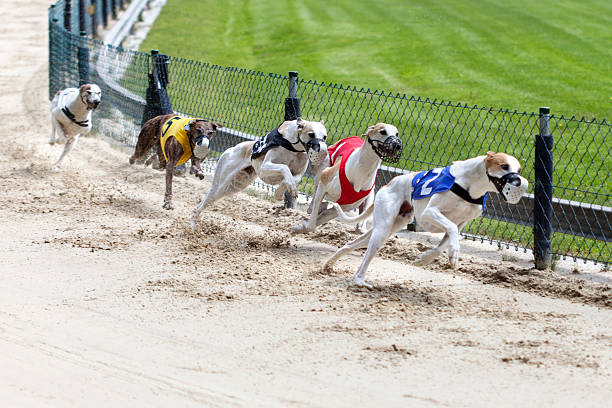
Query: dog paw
52, 142
200, 175
192, 223
453, 259
280, 192
168, 206
299, 229
361, 283
424, 259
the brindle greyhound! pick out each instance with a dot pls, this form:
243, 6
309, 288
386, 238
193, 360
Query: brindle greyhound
177, 139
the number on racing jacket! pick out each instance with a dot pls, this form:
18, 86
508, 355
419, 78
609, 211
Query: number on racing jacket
428, 183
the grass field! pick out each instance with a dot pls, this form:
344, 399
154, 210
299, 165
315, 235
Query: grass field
516, 54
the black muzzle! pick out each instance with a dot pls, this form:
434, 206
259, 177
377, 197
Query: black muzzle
390, 150
500, 182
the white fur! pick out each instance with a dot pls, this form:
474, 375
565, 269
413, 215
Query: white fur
360, 170
79, 102
279, 166
442, 212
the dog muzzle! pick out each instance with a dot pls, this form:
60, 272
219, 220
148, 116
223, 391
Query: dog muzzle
511, 186
316, 154
200, 150
390, 150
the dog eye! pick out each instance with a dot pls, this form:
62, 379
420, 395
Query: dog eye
324, 137
383, 132
505, 167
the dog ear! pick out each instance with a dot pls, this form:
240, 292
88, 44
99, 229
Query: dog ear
490, 154
322, 122
188, 125
367, 133
300, 123
84, 87
216, 125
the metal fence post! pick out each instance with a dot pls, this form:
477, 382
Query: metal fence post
68, 15
83, 59
94, 20
82, 15
114, 9
543, 191
158, 102
292, 112
105, 13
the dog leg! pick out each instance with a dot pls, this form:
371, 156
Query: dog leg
451, 239
310, 224
269, 169
169, 174
359, 242
70, 143
196, 168
52, 140
428, 256
360, 227
232, 174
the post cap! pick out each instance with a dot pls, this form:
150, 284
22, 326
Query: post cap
293, 74
544, 110
83, 33
154, 52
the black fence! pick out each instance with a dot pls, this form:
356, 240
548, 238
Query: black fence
567, 160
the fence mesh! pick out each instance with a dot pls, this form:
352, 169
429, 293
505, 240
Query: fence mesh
250, 103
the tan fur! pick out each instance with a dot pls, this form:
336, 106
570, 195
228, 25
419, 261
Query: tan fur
494, 161
373, 129
247, 150
329, 173
84, 88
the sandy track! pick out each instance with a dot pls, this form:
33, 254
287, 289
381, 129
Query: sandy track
108, 300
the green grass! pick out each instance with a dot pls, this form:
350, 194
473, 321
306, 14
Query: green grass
515, 54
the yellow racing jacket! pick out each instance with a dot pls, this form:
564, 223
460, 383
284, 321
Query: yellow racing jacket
175, 126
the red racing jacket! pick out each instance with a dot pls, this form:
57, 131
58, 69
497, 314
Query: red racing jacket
344, 148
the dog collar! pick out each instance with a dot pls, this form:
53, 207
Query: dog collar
70, 115
463, 193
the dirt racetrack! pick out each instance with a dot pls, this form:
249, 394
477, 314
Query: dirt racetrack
106, 299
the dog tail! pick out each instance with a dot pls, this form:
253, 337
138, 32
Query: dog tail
348, 219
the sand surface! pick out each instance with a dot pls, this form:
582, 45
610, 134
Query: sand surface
106, 299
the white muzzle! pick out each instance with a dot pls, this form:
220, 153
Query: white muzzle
513, 193
201, 150
317, 158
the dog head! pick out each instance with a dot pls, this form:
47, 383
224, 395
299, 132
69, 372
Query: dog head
91, 95
310, 135
199, 132
504, 171
385, 141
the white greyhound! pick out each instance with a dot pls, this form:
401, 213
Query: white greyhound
279, 158
441, 200
71, 116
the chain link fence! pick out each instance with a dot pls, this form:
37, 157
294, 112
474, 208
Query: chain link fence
573, 211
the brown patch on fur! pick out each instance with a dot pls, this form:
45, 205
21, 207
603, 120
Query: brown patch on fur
84, 88
406, 209
247, 150
494, 161
373, 129
329, 173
